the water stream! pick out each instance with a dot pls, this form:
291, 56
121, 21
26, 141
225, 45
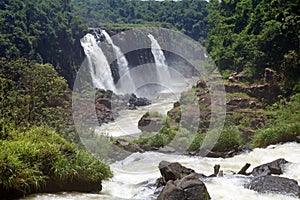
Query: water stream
135, 176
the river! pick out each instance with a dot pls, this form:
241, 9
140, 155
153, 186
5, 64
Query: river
135, 176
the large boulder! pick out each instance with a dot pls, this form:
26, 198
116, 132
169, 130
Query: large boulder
274, 167
138, 101
188, 188
275, 184
150, 123
173, 171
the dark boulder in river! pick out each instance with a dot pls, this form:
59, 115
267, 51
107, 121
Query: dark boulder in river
275, 184
274, 167
173, 171
138, 101
181, 183
150, 123
187, 188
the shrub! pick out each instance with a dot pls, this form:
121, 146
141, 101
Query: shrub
284, 126
229, 138
28, 159
280, 133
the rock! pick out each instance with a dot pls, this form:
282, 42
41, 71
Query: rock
274, 184
173, 171
150, 123
128, 146
105, 101
274, 167
188, 188
171, 192
224, 154
175, 113
138, 101
176, 104
132, 107
271, 76
239, 77
267, 92
201, 83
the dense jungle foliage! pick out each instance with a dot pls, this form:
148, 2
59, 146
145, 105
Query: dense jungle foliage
188, 16
251, 35
44, 31
41, 52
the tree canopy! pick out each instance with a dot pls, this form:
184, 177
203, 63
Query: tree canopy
44, 31
253, 35
188, 16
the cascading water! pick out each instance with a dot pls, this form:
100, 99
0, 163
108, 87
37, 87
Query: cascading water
126, 84
97, 63
160, 62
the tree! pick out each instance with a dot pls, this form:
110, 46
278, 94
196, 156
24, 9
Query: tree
32, 94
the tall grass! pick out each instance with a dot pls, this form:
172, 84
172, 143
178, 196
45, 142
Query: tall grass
229, 139
284, 126
29, 159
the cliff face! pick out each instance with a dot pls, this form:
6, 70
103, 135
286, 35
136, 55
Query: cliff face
245, 105
141, 56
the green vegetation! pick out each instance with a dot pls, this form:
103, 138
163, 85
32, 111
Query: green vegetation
160, 138
32, 94
284, 126
29, 159
252, 35
44, 31
188, 16
229, 139
40, 53
34, 100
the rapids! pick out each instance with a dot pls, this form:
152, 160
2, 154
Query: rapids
135, 176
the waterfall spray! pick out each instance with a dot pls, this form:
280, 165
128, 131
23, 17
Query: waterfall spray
160, 62
98, 65
126, 84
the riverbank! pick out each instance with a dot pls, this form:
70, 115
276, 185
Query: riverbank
135, 176
40, 161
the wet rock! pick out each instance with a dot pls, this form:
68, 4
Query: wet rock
105, 101
138, 101
274, 167
150, 123
173, 171
225, 154
188, 188
171, 192
274, 184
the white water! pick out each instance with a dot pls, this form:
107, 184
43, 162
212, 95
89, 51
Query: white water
126, 83
162, 68
126, 123
97, 63
139, 168
134, 177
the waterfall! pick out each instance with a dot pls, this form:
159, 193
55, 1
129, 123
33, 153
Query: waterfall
160, 62
97, 63
125, 84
